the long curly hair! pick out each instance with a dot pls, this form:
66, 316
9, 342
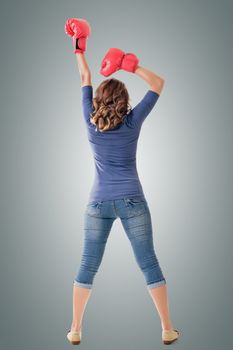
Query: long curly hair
111, 104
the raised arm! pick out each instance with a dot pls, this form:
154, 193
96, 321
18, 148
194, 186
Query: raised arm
147, 103
156, 82
84, 71
79, 29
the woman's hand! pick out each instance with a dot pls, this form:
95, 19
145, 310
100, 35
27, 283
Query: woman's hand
79, 29
116, 59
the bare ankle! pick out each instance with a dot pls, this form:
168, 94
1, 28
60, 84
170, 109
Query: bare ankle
167, 327
75, 327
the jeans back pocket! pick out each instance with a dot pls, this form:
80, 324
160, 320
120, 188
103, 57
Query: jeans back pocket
136, 206
94, 208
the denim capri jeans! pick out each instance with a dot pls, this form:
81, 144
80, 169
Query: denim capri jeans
135, 217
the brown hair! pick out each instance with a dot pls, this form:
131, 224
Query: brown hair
111, 104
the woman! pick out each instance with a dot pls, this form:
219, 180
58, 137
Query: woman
113, 128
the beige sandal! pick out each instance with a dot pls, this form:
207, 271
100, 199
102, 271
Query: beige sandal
74, 337
169, 336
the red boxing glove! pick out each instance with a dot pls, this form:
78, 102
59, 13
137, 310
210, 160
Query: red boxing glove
80, 30
116, 59
111, 61
130, 62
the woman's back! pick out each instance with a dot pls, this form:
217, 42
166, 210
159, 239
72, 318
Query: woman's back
114, 150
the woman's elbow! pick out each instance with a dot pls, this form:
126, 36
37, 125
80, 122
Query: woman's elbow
158, 85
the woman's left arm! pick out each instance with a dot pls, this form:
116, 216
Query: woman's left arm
84, 71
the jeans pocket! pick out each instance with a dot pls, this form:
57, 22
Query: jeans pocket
94, 208
135, 200
136, 206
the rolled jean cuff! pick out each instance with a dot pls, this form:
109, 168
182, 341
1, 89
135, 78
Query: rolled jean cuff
83, 285
156, 284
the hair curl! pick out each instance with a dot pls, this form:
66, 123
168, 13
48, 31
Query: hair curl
111, 104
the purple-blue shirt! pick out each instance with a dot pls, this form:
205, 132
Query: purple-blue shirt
114, 151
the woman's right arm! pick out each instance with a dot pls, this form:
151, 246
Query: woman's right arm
156, 83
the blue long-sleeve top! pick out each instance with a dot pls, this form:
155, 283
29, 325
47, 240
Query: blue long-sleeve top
114, 150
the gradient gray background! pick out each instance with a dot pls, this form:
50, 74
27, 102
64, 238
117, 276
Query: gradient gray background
184, 163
